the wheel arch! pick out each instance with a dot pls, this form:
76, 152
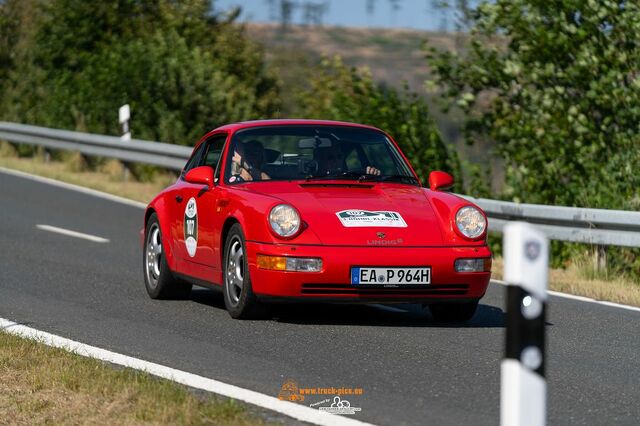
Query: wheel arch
228, 223
158, 207
147, 215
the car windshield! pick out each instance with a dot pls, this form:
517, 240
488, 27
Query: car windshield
311, 152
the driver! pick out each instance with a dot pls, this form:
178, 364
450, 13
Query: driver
331, 161
247, 161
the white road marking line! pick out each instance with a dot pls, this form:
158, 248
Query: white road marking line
138, 204
296, 411
70, 233
572, 296
76, 188
583, 299
617, 305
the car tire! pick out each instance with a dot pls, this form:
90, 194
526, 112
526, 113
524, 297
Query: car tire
239, 299
453, 312
158, 278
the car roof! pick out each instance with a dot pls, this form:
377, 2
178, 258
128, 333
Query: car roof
288, 122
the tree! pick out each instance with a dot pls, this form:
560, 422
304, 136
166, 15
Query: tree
183, 70
339, 92
555, 84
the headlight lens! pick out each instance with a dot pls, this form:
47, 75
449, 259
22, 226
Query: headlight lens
470, 222
284, 220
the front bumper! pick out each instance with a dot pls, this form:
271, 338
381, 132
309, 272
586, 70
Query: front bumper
333, 282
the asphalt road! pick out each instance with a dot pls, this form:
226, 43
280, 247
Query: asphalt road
412, 370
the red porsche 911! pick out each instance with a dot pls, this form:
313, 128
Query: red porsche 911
321, 211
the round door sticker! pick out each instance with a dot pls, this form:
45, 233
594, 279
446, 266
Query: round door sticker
191, 227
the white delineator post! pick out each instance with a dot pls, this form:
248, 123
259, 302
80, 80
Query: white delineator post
124, 113
523, 394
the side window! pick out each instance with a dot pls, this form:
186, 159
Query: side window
194, 161
215, 146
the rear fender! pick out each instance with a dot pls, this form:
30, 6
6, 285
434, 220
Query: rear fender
159, 206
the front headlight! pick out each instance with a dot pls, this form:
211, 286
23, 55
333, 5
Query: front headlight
470, 222
284, 220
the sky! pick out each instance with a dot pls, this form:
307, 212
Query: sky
415, 14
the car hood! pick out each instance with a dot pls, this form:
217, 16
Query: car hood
344, 214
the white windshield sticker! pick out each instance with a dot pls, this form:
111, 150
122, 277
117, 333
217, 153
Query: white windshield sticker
365, 218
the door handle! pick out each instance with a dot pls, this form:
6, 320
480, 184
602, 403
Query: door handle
179, 198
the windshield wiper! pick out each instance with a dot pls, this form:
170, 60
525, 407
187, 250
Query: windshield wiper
362, 177
399, 178
349, 175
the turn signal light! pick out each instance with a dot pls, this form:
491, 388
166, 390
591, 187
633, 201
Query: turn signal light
276, 263
291, 264
473, 265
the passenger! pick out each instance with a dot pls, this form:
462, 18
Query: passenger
247, 162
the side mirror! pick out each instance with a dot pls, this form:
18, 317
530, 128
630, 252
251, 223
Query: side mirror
440, 181
202, 174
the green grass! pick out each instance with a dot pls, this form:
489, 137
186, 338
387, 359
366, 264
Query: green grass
580, 278
44, 385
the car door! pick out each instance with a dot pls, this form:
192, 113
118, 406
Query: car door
175, 205
195, 226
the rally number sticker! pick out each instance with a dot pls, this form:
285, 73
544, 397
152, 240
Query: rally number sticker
365, 218
191, 226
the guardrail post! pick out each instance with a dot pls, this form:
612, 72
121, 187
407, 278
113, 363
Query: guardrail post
124, 113
601, 258
126, 171
523, 398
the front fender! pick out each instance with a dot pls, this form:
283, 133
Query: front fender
446, 205
252, 209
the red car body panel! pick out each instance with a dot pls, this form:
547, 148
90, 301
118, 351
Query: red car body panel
430, 238
333, 281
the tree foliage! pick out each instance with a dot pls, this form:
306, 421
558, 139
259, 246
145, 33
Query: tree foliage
183, 70
555, 84
72, 63
339, 92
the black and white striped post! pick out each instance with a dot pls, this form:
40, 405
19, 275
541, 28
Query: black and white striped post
124, 113
523, 399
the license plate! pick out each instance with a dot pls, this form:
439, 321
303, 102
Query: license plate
362, 275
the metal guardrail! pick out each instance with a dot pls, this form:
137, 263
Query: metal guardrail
575, 224
592, 226
136, 151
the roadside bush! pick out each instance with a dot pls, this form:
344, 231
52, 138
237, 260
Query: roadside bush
183, 70
555, 85
339, 92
